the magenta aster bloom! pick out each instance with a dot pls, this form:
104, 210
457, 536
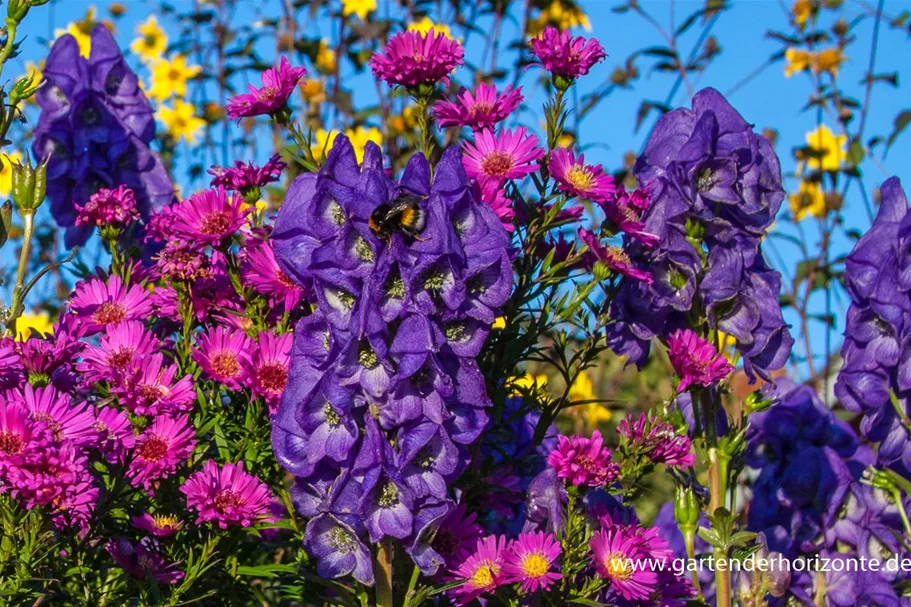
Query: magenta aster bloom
224, 356
585, 462
246, 178
64, 419
101, 304
482, 571
228, 495
617, 553
657, 440
182, 262
412, 59
695, 360
115, 434
457, 535
268, 366
45, 479
278, 84
119, 352
10, 365
564, 55
159, 449
75, 506
479, 109
159, 227
158, 525
529, 559
614, 258
106, 207
492, 159
209, 217
625, 210
579, 179
261, 272
21, 439
142, 561
151, 389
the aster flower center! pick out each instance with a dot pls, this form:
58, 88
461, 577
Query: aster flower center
580, 177
388, 495
267, 93
366, 356
226, 500
272, 377
154, 448
617, 567
11, 443
497, 163
215, 223
109, 312
483, 575
342, 541
164, 521
285, 280
52, 424
480, 109
152, 392
616, 257
535, 565
121, 357
225, 364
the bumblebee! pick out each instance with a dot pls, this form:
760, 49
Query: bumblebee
401, 215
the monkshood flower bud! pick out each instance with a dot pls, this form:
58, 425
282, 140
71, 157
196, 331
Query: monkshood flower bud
686, 509
29, 184
383, 394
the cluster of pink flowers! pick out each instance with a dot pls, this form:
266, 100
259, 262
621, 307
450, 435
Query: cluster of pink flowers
656, 440
413, 59
109, 207
272, 97
247, 178
584, 462
695, 361
564, 55
482, 108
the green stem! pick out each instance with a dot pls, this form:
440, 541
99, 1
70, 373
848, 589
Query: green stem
718, 474
689, 539
382, 570
28, 222
11, 26
423, 120
412, 584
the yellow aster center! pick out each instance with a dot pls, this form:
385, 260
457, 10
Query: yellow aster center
580, 177
616, 566
483, 576
535, 565
163, 521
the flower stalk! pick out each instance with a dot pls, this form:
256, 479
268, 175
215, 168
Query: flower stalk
382, 570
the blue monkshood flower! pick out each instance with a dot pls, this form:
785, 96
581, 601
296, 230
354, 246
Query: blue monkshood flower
384, 395
714, 187
96, 125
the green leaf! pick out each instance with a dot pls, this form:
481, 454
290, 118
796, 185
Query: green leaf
901, 123
267, 571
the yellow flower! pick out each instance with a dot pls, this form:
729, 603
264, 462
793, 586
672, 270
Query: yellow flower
81, 31
829, 146
313, 90
28, 324
560, 15
152, 40
170, 77
6, 173
323, 141
582, 388
325, 58
399, 125
797, 61
828, 60
499, 323
528, 382
361, 8
425, 24
566, 140
808, 200
801, 12
181, 121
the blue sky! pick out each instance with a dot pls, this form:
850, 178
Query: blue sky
768, 100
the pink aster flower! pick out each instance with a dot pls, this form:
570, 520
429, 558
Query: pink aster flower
45, 479
457, 535
224, 355
261, 272
65, 420
529, 559
246, 178
106, 207
158, 525
479, 109
151, 388
657, 440
268, 366
564, 55
159, 227
624, 212
210, 217
585, 462
695, 360
115, 434
101, 304
74, 507
495, 197
21, 438
118, 352
482, 571
492, 159
618, 557
182, 262
10, 365
614, 258
411, 59
159, 449
575, 177
228, 496
143, 561
278, 84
